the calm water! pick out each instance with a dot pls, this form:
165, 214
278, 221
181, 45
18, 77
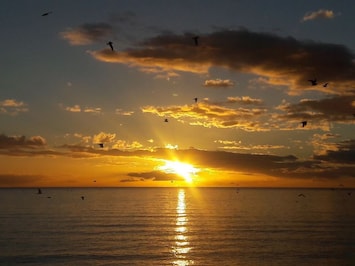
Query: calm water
176, 226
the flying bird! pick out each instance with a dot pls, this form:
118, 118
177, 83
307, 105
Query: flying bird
47, 13
325, 85
110, 44
304, 123
195, 38
101, 145
313, 82
301, 195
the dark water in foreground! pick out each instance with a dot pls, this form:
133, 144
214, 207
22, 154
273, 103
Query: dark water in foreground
177, 226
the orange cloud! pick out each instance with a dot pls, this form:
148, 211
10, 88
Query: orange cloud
211, 115
87, 33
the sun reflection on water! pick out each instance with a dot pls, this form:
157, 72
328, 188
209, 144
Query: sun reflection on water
182, 245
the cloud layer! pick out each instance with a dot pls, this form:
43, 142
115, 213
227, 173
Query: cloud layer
283, 61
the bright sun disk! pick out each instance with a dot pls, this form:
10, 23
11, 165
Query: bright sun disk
184, 170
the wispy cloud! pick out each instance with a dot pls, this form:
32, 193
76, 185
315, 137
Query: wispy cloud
244, 100
87, 33
218, 83
119, 111
78, 109
319, 14
12, 107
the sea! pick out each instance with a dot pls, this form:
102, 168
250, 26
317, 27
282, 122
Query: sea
177, 226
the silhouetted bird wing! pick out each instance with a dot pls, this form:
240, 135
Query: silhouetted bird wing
196, 40
47, 13
111, 45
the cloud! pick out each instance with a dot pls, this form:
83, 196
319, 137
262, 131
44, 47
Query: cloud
333, 164
12, 107
212, 115
8, 142
78, 109
321, 112
218, 83
237, 145
87, 33
125, 145
282, 61
103, 137
119, 111
319, 14
244, 100
342, 153
156, 176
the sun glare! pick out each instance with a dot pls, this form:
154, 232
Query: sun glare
185, 170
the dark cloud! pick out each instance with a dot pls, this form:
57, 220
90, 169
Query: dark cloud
345, 154
8, 142
339, 109
281, 60
156, 176
332, 164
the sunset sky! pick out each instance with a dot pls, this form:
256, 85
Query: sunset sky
63, 91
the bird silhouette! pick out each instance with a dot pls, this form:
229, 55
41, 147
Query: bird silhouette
301, 195
304, 123
82, 197
325, 85
101, 145
195, 38
47, 13
313, 82
195, 100
111, 45
166, 120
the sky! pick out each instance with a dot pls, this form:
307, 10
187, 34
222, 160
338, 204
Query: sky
158, 109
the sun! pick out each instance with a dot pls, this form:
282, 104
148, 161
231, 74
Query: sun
185, 170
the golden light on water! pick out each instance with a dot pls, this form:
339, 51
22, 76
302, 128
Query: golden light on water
182, 245
185, 170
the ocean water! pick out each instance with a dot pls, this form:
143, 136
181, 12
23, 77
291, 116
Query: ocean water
177, 226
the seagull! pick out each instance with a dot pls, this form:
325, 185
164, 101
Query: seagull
301, 195
195, 100
304, 123
110, 44
196, 40
47, 13
313, 81
325, 85
166, 120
